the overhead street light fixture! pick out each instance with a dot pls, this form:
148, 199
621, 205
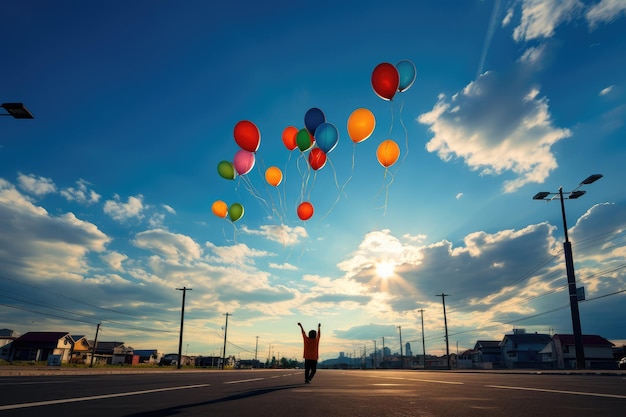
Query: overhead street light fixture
569, 261
17, 110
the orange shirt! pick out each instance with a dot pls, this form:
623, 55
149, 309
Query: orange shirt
311, 346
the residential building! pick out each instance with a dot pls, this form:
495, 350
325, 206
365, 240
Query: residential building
39, 346
560, 353
521, 349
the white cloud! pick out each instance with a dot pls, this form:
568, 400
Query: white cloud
169, 209
497, 124
284, 267
81, 194
114, 260
124, 211
37, 245
540, 18
606, 90
285, 235
459, 196
605, 11
238, 254
167, 244
36, 185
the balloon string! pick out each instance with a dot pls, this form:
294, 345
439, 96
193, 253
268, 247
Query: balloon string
387, 191
310, 190
343, 187
406, 132
392, 118
250, 187
284, 186
339, 191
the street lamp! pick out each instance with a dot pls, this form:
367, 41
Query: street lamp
569, 262
17, 110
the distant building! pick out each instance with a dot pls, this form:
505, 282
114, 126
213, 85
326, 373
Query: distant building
560, 353
39, 346
407, 349
521, 349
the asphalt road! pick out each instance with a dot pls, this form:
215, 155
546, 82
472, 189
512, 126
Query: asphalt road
333, 393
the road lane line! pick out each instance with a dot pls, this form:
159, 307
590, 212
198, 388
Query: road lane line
97, 397
589, 394
243, 380
416, 380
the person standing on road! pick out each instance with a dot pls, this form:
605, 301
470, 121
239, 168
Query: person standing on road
311, 351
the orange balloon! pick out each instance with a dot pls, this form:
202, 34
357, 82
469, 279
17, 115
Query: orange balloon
289, 137
220, 209
273, 176
361, 125
305, 210
388, 153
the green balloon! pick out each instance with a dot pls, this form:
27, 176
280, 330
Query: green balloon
303, 140
226, 170
235, 212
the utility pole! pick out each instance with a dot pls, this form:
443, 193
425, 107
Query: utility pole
383, 350
445, 321
95, 345
401, 354
256, 349
182, 321
225, 331
421, 310
374, 363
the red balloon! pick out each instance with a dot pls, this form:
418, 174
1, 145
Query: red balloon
317, 158
289, 137
305, 210
247, 136
385, 80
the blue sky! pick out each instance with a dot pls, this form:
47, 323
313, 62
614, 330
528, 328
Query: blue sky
106, 196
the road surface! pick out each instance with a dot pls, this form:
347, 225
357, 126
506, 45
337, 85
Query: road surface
333, 393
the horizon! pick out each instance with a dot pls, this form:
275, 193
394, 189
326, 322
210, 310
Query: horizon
136, 178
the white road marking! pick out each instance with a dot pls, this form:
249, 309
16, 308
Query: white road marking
417, 379
589, 394
97, 397
243, 380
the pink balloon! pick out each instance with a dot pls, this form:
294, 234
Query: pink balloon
243, 162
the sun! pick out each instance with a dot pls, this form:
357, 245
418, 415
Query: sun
385, 269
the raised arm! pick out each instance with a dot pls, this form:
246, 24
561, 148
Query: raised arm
302, 329
319, 330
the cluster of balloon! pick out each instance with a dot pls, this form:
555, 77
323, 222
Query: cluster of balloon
314, 141
248, 137
221, 209
387, 80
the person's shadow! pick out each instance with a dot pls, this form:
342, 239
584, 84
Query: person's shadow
171, 411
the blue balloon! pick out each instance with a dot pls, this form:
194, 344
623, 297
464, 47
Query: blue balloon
326, 137
313, 118
407, 72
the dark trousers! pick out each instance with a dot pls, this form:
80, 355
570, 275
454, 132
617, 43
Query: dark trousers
310, 367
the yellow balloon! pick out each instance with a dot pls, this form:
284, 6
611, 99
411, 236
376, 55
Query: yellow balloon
388, 153
273, 176
361, 124
220, 209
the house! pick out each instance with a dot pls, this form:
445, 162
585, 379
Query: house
104, 351
521, 350
149, 356
7, 336
561, 352
39, 346
487, 354
82, 349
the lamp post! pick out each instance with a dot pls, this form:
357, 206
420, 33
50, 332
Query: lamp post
17, 110
569, 262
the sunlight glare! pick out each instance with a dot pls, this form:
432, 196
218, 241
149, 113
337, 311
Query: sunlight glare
385, 269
